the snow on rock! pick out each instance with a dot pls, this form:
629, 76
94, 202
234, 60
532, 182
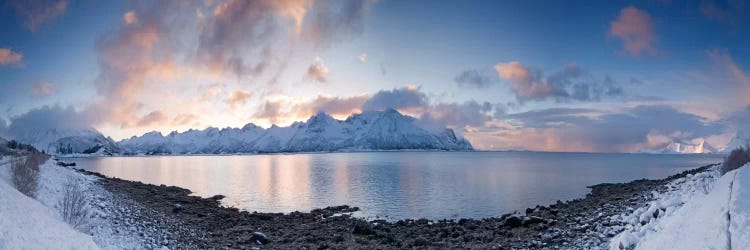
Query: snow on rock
702, 211
371, 130
28, 224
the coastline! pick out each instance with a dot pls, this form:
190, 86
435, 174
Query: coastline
580, 223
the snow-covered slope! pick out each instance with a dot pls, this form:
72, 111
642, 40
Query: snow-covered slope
27, 224
702, 147
69, 141
372, 130
702, 211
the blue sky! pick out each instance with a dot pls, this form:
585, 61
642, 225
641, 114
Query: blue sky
491, 70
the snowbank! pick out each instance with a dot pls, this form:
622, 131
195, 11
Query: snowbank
27, 224
704, 211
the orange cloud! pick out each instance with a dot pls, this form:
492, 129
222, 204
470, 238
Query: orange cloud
184, 119
8, 56
153, 118
238, 97
635, 28
523, 81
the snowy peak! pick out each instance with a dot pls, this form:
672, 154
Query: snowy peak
371, 130
69, 141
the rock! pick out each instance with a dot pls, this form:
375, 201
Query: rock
547, 238
532, 220
529, 210
259, 238
513, 221
177, 208
362, 227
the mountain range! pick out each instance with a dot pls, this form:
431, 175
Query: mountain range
368, 131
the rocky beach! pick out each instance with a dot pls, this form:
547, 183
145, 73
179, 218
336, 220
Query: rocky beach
173, 218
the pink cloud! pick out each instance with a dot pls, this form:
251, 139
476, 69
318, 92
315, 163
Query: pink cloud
317, 71
523, 81
635, 28
8, 56
41, 88
238, 97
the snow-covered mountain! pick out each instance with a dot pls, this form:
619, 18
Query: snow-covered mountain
69, 141
371, 130
701, 147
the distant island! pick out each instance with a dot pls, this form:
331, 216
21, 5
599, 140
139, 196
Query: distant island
368, 131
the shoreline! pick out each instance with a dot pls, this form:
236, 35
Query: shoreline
579, 223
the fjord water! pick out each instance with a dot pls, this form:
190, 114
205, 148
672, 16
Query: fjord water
395, 185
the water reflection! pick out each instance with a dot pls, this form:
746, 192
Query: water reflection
395, 185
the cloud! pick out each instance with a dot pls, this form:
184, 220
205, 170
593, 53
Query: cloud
594, 131
409, 97
732, 11
37, 12
571, 83
49, 117
635, 28
212, 90
730, 78
335, 21
238, 97
317, 71
271, 111
362, 58
153, 118
129, 17
9, 57
185, 119
41, 88
332, 105
473, 78
456, 115
238, 36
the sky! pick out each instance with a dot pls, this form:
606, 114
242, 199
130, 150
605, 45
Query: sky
584, 76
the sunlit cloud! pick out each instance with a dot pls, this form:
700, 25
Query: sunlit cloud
572, 83
635, 29
10, 57
238, 97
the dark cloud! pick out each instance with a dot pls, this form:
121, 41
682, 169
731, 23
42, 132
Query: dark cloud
724, 11
402, 98
37, 12
49, 117
236, 37
456, 115
572, 83
628, 131
334, 21
474, 78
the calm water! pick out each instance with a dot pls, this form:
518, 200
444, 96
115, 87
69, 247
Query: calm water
395, 185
